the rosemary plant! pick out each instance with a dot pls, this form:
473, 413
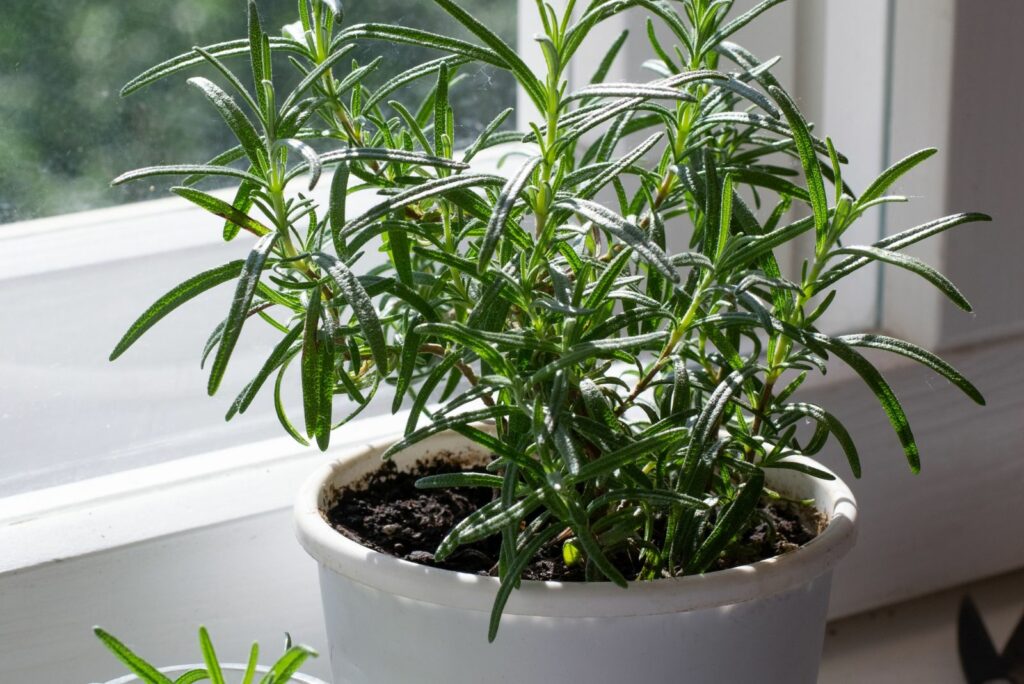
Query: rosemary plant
281, 672
636, 397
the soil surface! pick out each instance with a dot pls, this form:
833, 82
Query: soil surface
388, 514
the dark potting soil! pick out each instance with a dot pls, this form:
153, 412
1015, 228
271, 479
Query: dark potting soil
388, 514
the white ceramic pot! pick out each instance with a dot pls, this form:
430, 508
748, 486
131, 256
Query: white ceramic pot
394, 622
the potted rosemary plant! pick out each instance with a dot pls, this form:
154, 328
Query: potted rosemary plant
605, 454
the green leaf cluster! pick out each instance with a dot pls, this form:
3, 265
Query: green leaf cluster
279, 673
634, 395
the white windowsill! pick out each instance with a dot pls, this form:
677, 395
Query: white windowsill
916, 641
110, 512
99, 236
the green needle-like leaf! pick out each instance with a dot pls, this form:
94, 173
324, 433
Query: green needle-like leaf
809, 159
608, 60
457, 480
188, 290
192, 676
503, 209
512, 61
629, 233
743, 20
922, 356
442, 110
312, 368
200, 170
893, 174
729, 524
273, 362
236, 120
834, 426
248, 279
422, 192
313, 161
146, 672
643, 91
338, 207
591, 547
408, 76
568, 449
659, 497
641, 448
220, 208
357, 298
252, 664
210, 657
483, 141
257, 58
510, 578
315, 75
710, 418
281, 672
448, 423
485, 346
282, 414
886, 397
242, 203
190, 59
405, 35
898, 242
617, 168
912, 264
596, 348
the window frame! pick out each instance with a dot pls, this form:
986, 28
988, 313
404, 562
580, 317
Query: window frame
164, 226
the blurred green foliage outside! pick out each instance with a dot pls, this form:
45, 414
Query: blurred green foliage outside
65, 132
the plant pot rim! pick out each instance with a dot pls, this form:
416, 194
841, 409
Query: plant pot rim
297, 678
339, 554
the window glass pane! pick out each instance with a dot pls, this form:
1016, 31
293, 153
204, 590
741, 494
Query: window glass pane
65, 412
65, 132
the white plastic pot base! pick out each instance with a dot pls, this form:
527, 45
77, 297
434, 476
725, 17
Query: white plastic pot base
378, 638
393, 622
